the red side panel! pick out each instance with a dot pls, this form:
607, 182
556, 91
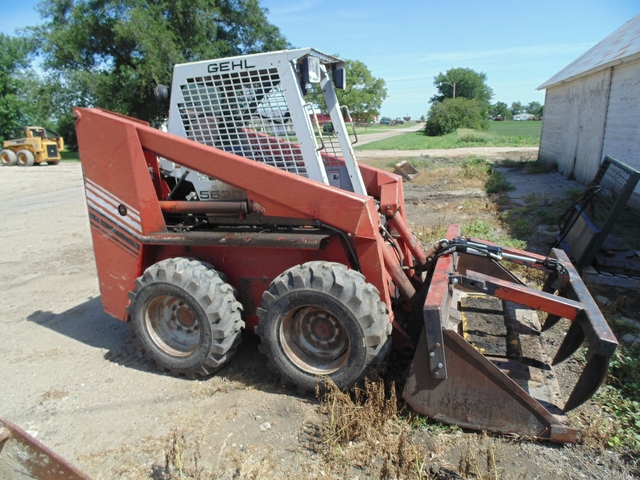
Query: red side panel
118, 220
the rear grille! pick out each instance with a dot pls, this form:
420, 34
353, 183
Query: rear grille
52, 151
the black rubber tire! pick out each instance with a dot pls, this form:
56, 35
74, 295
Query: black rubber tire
53, 162
25, 158
8, 157
186, 317
321, 319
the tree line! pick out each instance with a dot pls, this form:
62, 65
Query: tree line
463, 100
112, 53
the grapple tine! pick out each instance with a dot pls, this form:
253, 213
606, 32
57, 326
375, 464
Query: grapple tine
572, 341
590, 380
550, 322
480, 364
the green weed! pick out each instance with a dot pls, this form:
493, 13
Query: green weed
475, 167
497, 183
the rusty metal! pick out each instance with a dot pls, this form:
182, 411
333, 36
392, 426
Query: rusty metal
204, 207
405, 170
23, 456
399, 223
393, 266
503, 384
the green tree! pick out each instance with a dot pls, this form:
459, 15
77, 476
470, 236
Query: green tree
112, 53
14, 73
469, 84
451, 114
516, 108
363, 94
535, 108
500, 109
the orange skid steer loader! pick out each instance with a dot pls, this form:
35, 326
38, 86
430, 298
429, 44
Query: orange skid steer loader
245, 216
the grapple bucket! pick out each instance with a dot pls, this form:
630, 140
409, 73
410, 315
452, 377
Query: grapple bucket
480, 363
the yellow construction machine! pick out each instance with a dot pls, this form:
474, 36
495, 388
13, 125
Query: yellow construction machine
38, 145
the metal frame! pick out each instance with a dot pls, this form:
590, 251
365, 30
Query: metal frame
238, 104
585, 232
447, 372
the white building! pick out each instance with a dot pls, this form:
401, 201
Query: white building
523, 117
592, 108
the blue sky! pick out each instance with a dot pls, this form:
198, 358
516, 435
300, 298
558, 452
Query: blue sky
519, 45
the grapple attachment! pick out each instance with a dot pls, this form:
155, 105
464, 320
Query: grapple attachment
480, 362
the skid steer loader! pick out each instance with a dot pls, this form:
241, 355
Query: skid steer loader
38, 145
244, 215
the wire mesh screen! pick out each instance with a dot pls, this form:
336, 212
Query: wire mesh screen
592, 218
610, 183
245, 113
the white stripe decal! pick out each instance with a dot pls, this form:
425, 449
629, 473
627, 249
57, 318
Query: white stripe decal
114, 201
136, 233
108, 195
111, 212
113, 208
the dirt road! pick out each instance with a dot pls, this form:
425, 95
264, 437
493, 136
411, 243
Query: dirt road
364, 137
71, 375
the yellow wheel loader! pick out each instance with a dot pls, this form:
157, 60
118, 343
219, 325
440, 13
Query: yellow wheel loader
38, 145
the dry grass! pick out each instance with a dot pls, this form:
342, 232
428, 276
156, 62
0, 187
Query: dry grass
53, 394
363, 430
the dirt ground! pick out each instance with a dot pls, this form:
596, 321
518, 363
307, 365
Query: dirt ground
71, 375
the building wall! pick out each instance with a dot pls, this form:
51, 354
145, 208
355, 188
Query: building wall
622, 131
573, 125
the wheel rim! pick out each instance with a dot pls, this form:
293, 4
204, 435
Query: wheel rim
172, 325
5, 159
22, 159
315, 340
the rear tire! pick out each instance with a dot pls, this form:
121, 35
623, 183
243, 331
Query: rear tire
25, 158
53, 162
186, 316
8, 157
322, 319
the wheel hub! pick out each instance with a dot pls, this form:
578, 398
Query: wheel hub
173, 326
315, 340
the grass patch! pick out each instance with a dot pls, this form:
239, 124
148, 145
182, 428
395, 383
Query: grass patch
498, 183
463, 137
484, 230
511, 128
70, 156
621, 398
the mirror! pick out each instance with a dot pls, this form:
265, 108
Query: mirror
339, 77
311, 70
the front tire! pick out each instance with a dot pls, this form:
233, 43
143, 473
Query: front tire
8, 157
25, 158
322, 319
186, 316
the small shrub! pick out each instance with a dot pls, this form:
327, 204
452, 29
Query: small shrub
450, 114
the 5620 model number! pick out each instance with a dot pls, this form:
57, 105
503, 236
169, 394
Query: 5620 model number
221, 195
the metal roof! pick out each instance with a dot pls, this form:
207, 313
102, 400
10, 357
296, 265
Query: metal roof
621, 46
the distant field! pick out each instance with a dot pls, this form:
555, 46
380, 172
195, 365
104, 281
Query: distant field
499, 134
526, 129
